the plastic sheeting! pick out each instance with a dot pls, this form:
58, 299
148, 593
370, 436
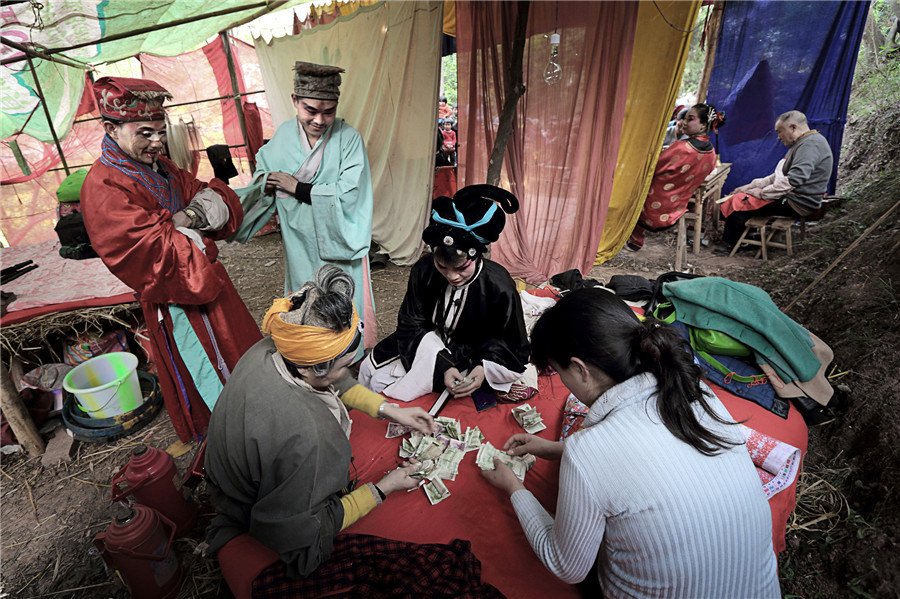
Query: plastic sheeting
65, 24
28, 208
778, 56
391, 52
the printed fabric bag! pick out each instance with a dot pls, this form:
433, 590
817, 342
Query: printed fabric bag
84, 347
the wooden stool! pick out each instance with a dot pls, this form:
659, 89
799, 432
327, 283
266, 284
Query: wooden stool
776, 224
681, 240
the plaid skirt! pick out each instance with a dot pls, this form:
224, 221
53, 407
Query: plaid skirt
372, 567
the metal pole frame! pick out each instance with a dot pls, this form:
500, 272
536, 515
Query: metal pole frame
236, 98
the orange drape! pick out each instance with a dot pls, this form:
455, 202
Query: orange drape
562, 154
657, 63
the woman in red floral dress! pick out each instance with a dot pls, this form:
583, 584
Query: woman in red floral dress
680, 170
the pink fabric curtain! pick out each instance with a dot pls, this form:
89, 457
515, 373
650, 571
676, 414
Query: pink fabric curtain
562, 154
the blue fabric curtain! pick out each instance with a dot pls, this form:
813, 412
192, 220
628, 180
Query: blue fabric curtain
778, 56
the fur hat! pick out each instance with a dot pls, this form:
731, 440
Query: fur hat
124, 99
470, 220
317, 81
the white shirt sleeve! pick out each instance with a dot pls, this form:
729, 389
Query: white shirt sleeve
568, 546
214, 207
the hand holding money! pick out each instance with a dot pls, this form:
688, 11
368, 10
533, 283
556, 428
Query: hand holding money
522, 443
399, 479
415, 418
503, 477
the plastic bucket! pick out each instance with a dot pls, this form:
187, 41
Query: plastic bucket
107, 385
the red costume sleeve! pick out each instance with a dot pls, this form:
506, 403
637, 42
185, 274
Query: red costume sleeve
135, 237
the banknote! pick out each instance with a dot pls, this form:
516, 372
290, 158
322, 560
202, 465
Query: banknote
448, 463
425, 469
519, 465
429, 449
473, 438
449, 427
408, 446
396, 430
436, 491
528, 418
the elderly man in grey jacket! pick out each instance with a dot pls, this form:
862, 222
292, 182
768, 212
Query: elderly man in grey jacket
807, 168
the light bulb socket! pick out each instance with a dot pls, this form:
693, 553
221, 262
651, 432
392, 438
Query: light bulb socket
554, 39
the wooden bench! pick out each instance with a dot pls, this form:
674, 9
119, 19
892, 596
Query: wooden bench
775, 225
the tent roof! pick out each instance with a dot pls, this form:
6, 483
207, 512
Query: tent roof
99, 32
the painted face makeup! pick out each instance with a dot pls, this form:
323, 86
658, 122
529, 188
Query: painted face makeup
142, 141
458, 274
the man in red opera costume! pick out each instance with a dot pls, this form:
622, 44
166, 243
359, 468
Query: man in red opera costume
154, 226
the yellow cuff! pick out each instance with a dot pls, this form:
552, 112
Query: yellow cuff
363, 399
357, 504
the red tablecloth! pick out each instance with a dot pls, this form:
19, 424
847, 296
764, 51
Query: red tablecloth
475, 510
482, 514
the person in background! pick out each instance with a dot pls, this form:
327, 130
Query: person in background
448, 147
680, 170
675, 131
278, 454
461, 326
155, 226
444, 109
315, 173
796, 189
657, 489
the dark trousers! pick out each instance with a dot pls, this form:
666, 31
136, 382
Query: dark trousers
734, 224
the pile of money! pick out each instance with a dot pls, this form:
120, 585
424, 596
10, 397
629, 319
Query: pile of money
519, 465
439, 454
528, 418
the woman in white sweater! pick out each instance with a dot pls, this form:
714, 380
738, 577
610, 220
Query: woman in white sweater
656, 489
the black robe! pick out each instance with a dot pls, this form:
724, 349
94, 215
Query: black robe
487, 324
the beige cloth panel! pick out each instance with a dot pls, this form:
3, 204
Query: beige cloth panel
385, 95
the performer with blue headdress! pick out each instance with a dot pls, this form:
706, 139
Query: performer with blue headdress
461, 325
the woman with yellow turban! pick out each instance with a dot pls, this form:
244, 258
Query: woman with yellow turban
278, 454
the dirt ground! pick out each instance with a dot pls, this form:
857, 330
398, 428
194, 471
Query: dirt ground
843, 538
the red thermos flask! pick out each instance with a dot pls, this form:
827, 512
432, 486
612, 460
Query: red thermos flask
138, 544
153, 481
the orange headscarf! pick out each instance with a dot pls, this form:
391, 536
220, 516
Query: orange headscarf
306, 345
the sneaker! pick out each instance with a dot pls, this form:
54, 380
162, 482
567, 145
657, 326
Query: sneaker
632, 246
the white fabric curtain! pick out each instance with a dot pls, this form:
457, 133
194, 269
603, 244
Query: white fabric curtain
392, 54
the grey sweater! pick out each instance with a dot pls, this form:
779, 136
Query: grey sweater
808, 168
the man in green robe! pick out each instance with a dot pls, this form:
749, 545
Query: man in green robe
315, 173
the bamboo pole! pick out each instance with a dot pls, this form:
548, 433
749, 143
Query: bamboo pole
37, 54
37, 85
267, 6
18, 417
235, 89
841, 257
715, 23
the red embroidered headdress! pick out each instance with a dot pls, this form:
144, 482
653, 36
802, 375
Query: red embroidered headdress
125, 99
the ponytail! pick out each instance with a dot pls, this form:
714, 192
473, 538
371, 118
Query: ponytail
600, 329
668, 356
